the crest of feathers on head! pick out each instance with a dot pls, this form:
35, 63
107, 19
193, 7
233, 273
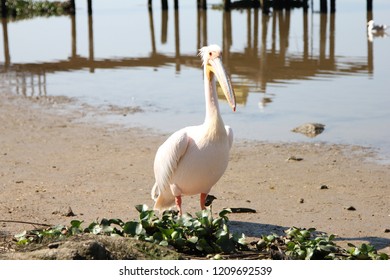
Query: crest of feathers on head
204, 52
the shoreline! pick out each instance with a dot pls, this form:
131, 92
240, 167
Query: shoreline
51, 159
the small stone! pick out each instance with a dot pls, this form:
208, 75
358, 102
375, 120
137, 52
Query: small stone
294, 158
310, 129
351, 208
301, 200
324, 187
387, 230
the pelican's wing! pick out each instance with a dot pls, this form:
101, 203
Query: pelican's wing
168, 157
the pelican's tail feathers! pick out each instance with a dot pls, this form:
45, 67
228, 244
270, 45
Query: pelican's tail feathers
164, 199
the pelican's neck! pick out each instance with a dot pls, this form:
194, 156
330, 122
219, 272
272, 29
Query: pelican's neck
213, 117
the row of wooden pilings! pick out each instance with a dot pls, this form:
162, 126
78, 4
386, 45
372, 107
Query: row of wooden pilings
263, 4
227, 4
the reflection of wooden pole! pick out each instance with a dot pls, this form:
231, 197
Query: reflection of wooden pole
256, 31
151, 23
249, 29
204, 27
74, 37
226, 34
90, 40
176, 4
305, 35
263, 59
177, 41
164, 26
323, 23
7, 58
332, 28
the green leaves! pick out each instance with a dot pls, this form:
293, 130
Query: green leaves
365, 252
206, 235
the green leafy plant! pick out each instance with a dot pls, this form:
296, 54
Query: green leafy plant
205, 235
365, 252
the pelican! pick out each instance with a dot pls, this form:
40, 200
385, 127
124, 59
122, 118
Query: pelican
374, 28
194, 158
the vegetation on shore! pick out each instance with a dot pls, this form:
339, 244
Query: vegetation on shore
23, 9
205, 236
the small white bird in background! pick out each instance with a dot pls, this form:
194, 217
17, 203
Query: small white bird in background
376, 28
193, 159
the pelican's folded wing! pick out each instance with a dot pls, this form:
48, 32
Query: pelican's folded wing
168, 157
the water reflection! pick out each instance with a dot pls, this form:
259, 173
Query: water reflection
266, 59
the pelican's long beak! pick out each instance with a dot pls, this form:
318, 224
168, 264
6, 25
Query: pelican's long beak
224, 81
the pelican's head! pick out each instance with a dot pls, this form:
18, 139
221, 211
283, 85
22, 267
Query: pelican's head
212, 61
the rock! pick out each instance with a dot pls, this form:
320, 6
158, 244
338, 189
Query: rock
324, 187
351, 208
66, 211
310, 129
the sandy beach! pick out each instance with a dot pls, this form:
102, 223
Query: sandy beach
52, 158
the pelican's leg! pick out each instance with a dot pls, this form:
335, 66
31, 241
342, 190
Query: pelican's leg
178, 204
203, 200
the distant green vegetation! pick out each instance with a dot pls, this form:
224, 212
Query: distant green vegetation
22, 9
206, 236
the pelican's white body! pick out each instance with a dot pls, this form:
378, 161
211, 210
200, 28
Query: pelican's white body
193, 159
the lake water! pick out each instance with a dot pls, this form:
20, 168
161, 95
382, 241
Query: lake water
287, 68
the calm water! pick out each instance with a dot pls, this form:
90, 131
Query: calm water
288, 68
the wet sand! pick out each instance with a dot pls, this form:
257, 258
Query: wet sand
51, 159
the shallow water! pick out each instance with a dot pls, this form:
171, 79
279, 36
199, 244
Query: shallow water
288, 68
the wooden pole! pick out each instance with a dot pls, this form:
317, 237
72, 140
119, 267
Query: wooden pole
89, 3
323, 6
369, 5
227, 5
3, 8
164, 4
72, 7
332, 6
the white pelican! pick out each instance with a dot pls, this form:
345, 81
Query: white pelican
194, 158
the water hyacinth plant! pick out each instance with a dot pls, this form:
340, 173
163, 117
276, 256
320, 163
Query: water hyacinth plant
203, 235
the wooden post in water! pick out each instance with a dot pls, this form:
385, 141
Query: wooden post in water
227, 5
202, 4
332, 6
369, 5
3, 9
323, 6
176, 4
89, 4
72, 7
164, 4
